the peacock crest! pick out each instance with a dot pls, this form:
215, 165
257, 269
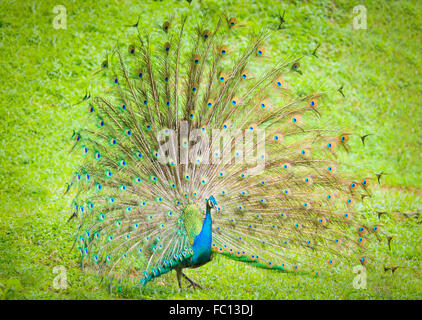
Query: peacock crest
199, 146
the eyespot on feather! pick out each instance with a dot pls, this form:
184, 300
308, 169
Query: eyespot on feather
264, 104
322, 220
286, 166
235, 101
331, 168
313, 103
252, 126
353, 185
245, 74
308, 180
280, 83
296, 66
195, 88
343, 138
166, 26
206, 34
196, 59
330, 144
362, 230
227, 125
223, 51
295, 119
365, 183
350, 202
305, 152
260, 51
347, 216
361, 241
278, 137
232, 22
376, 229
222, 77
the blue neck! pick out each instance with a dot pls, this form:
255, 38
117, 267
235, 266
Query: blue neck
202, 243
208, 211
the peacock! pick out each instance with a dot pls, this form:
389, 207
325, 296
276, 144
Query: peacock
198, 146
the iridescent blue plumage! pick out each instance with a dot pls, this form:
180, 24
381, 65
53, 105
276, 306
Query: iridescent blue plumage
202, 243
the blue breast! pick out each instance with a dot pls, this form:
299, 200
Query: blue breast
202, 243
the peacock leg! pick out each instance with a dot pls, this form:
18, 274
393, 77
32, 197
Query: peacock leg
193, 283
110, 285
179, 277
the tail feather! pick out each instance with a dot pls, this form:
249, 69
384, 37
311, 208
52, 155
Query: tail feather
284, 208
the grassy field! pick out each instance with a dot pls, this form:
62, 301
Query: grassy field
44, 71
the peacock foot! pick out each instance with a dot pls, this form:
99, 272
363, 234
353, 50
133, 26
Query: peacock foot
193, 284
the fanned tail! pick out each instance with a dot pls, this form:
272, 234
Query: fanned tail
152, 148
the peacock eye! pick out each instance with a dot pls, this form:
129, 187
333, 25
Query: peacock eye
166, 26
232, 22
223, 50
313, 102
210, 203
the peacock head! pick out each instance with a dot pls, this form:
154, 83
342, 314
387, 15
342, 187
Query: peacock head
212, 203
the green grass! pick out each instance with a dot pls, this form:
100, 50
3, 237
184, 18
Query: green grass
45, 71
